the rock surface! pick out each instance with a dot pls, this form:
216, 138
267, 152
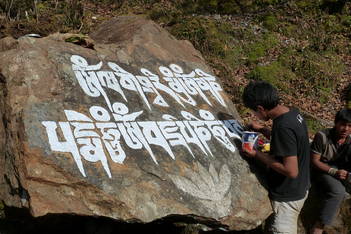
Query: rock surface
133, 127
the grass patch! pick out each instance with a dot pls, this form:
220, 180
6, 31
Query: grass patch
274, 73
270, 22
208, 36
321, 71
259, 47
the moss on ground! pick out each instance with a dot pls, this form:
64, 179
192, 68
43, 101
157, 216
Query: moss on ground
274, 73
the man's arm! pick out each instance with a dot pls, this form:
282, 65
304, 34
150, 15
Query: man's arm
317, 163
285, 144
289, 167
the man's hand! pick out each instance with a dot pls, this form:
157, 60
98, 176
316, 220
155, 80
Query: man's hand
289, 167
249, 153
257, 127
254, 125
341, 174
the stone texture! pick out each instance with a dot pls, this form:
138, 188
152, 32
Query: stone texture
7, 43
111, 131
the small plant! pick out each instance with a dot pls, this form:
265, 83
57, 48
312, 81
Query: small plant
74, 12
16, 9
346, 20
270, 22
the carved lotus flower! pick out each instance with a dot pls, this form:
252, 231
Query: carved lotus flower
210, 187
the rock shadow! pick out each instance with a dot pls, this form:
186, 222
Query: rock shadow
19, 221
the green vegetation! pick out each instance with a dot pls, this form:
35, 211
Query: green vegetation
211, 37
273, 73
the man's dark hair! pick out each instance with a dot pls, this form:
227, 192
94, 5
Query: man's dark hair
260, 93
343, 115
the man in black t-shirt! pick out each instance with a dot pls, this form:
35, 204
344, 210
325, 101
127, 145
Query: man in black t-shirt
288, 160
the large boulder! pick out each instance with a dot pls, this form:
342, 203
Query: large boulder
131, 125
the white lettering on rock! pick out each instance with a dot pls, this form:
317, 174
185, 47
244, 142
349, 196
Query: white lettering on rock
106, 133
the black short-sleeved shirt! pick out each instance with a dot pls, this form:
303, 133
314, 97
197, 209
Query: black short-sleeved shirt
289, 137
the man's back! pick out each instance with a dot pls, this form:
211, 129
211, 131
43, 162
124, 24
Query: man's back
290, 138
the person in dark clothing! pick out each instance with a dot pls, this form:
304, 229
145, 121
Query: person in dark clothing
288, 160
330, 156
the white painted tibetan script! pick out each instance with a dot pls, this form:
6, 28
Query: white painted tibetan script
107, 132
181, 87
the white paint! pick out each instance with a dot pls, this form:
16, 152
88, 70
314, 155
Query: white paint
92, 151
207, 82
122, 110
180, 86
210, 187
99, 113
170, 130
88, 79
68, 146
154, 136
108, 131
159, 86
129, 81
76, 116
109, 80
88, 137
